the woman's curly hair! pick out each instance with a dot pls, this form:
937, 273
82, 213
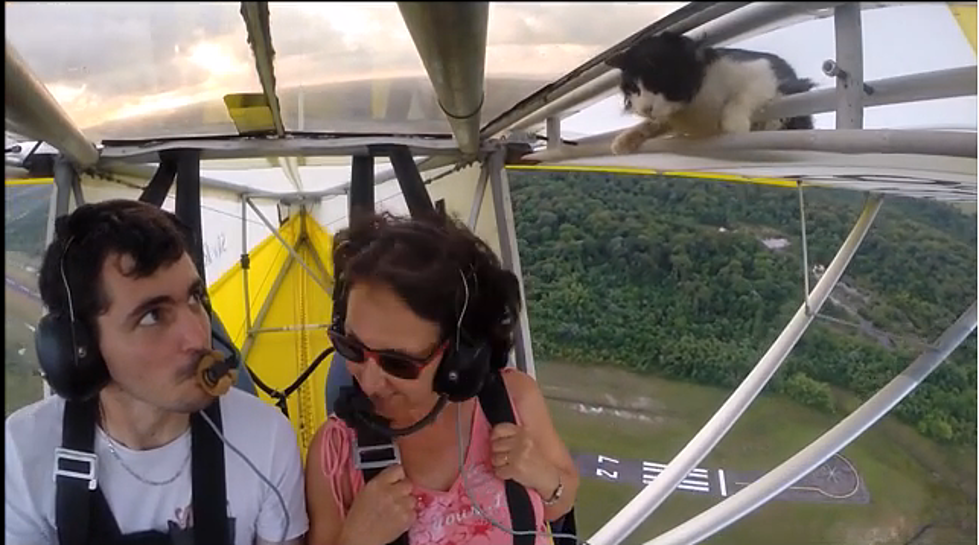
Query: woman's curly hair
425, 261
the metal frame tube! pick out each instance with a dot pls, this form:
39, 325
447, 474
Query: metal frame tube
256, 16
32, 111
245, 264
291, 250
805, 245
785, 475
639, 508
933, 85
266, 305
412, 186
64, 177
478, 195
76, 190
510, 255
241, 147
553, 132
451, 41
361, 193
159, 186
847, 21
289, 328
187, 205
845, 141
938, 84
57, 207
758, 18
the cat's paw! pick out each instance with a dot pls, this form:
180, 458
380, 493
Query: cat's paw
735, 121
628, 142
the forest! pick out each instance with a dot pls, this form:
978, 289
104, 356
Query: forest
686, 279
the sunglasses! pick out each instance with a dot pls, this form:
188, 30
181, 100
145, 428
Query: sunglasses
393, 362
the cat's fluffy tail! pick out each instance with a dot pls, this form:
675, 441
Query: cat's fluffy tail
794, 87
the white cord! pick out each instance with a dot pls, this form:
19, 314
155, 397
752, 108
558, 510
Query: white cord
472, 500
285, 510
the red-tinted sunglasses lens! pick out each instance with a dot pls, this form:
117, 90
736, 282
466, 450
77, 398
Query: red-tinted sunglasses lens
393, 363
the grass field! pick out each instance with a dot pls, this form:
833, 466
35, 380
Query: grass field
21, 383
912, 481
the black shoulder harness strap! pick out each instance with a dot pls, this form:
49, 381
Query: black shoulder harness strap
495, 402
373, 452
82, 514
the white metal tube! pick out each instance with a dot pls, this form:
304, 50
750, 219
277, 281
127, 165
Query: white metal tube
785, 475
805, 244
291, 250
451, 40
937, 84
510, 254
266, 305
478, 197
643, 505
244, 269
948, 83
256, 16
553, 132
848, 23
846, 141
31, 110
759, 18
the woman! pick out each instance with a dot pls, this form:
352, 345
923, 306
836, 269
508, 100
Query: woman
412, 289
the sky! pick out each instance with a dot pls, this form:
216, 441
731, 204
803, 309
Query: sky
121, 61
113, 61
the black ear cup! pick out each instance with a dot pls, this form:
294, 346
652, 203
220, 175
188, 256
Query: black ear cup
463, 370
69, 358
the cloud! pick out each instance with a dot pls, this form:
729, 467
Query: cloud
109, 62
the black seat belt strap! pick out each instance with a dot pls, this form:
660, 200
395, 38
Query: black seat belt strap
75, 470
210, 503
495, 403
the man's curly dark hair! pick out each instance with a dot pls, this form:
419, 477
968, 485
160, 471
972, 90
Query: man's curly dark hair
151, 236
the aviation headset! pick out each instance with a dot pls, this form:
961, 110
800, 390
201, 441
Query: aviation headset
69, 356
465, 363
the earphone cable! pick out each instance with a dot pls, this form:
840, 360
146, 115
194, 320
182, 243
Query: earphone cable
282, 501
475, 504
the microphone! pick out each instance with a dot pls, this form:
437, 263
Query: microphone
353, 404
216, 374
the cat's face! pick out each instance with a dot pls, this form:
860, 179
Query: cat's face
660, 75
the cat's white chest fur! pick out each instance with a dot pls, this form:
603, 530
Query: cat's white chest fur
730, 94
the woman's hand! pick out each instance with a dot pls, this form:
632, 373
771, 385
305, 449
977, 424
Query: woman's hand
383, 510
516, 456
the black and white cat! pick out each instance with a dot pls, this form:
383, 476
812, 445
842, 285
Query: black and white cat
682, 87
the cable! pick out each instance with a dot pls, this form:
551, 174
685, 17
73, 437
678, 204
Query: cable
472, 500
282, 501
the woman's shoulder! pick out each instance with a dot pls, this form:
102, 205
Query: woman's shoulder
332, 439
524, 392
519, 384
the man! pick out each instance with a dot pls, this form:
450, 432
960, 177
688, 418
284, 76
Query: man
123, 271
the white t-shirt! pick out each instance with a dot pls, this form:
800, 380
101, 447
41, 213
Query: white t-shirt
259, 431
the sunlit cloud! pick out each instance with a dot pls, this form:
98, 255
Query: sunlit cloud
214, 58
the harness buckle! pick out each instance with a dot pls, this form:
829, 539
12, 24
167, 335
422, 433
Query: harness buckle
375, 457
88, 460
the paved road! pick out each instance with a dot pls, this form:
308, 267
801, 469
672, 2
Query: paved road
835, 481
